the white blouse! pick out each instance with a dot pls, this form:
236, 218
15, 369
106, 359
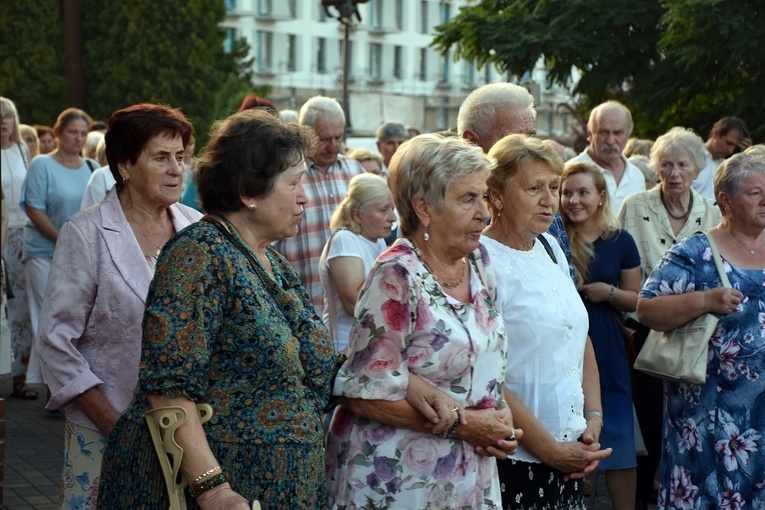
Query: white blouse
546, 324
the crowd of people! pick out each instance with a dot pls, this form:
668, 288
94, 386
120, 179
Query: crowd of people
438, 324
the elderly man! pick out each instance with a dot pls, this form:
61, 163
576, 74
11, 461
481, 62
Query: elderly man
608, 130
326, 184
496, 110
389, 137
727, 135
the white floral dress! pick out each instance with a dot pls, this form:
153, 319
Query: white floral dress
405, 323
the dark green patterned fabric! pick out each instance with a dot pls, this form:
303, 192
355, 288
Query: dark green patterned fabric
218, 332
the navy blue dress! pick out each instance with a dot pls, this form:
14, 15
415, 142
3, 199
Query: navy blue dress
611, 257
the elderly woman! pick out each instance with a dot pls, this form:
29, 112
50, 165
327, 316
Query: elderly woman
370, 160
90, 329
29, 135
713, 433
551, 378
228, 323
657, 219
426, 310
608, 274
15, 160
51, 194
360, 225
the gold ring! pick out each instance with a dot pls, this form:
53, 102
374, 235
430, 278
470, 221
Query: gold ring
455, 409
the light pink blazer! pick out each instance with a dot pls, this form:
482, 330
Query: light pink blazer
90, 327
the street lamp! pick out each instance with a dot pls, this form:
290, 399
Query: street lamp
345, 10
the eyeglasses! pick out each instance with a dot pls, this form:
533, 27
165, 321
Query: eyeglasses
8, 116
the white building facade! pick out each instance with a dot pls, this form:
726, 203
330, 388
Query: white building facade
394, 74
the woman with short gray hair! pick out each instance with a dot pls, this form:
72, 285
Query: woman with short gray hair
427, 310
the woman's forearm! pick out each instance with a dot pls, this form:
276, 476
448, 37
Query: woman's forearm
398, 413
98, 410
42, 223
591, 380
664, 313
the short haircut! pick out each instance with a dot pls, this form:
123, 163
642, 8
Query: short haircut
477, 111
26, 129
512, 152
679, 138
644, 165
638, 147
131, 128
363, 190
245, 154
44, 130
98, 125
91, 142
424, 167
320, 107
727, 124
391, 130
592, 122
289, 116
729, 178
251, 101
758, 150
8, 105
361, 155
70, 115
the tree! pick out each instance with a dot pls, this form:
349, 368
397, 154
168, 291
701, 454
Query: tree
168, 52
685, 62
32, 59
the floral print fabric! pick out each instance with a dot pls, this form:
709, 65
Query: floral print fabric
713, 432
405, 323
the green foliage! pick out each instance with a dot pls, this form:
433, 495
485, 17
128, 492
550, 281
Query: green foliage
32, 59
673, 62
167, 52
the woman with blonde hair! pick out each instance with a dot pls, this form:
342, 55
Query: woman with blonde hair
360, 225
15, 161
29, 135
371, 161
607, 265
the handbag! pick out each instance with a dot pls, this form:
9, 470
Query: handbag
681, 355
631, 336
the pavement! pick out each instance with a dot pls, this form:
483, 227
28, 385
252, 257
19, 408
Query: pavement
34, 454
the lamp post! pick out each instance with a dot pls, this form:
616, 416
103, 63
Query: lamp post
345, 10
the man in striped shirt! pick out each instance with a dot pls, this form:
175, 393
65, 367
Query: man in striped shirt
326, 184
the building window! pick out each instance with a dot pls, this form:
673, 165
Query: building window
321, 55
487, 74
444, 77
423, 64
263, 59
291, 53
230, 5
228, 42
376, 13
399, 14
424, 17
375, 61
398, 62
446, 11
265, 6
292, 4
468, 73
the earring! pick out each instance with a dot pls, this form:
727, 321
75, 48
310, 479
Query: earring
499, 213
125, 179
251, 207
600, 204
426, 236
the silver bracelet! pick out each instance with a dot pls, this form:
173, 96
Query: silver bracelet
611, 294
587, 414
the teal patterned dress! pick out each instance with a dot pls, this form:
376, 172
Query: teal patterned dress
219, 332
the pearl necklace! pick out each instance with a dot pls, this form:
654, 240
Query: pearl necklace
752, 251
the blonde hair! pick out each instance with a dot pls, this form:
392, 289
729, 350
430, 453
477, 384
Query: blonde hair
424, 167
91, 144
362, 155
513, 152
638, 147
26, 129
582, 252
8, 105
363, 190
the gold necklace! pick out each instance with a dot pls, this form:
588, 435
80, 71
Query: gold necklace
759, 245
137, 224
436, 277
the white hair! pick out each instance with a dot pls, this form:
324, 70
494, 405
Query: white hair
477, 111
321, 107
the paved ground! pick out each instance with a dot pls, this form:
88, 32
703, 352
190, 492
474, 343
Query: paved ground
35, 448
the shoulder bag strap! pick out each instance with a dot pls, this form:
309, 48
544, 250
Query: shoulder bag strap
548, 248
23, 157
90, 165
718, 260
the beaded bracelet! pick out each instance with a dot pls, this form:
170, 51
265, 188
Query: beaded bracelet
206, 474
611, 294
452, 431
200, 488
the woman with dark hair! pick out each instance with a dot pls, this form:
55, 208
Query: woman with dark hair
90, 328
228, 323
47, 138
51, 194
